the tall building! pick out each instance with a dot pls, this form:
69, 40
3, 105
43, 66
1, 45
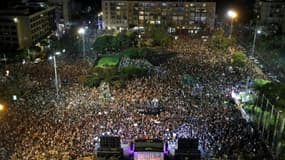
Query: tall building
63, 10
270, 12
177, 14
22, 26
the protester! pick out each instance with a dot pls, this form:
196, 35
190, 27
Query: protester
38, 126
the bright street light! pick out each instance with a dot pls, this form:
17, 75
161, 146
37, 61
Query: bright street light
2, 107
100, 14
81, 31
15, 19
232, 15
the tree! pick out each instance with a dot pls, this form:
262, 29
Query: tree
103, 43
275, 92
159, 35
123, 40
117, 41
136, 53
239, 59
220, 42
22, 54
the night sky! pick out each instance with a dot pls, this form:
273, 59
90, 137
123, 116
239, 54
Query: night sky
243, 7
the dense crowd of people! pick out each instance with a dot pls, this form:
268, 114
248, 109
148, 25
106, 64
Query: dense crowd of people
39, 126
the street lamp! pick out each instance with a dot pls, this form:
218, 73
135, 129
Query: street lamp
53, 57
99, 14
232, 15
139, 36
2, 107
256, 31
15, 19
81, 31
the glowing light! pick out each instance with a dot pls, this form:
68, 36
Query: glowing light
15, 19
7, 73
100, 14
81, 31
2, 107
14, 97
232, 14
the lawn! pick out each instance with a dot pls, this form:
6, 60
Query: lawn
108, 61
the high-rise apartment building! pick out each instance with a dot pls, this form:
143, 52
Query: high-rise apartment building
178, 14
22, 26
63, 10
270, 12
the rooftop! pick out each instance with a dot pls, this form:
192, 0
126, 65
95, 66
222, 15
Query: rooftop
22, 10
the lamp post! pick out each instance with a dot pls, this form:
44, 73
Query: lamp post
139, 36
98, 23
232, 15
53, 57
256, 31
81, 31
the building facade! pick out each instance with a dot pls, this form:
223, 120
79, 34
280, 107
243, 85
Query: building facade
270, 12
22, 27
63, 10
177, 14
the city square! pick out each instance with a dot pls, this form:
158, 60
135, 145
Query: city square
151, 83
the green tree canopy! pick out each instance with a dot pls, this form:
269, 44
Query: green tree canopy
103, 43
159, 35
239, 59
275, 92
117, 41
136, 53
220, 42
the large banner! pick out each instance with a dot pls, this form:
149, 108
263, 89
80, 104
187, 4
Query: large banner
148, 156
